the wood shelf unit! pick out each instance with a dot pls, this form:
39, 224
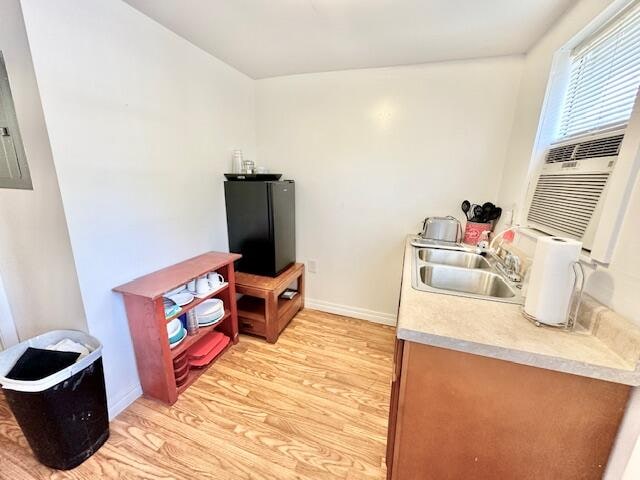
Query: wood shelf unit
261, 311
143, 299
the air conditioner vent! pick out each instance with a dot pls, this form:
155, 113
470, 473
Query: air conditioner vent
560, 154
601, 147
565, 203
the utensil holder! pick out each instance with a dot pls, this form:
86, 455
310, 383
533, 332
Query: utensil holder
473, 232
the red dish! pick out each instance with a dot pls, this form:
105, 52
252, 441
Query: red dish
181, 361
205, 345
204, 361
182, 379
179, 372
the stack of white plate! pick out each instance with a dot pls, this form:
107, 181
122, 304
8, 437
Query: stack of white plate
210, 312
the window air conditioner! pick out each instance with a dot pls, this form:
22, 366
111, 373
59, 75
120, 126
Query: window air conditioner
571, 186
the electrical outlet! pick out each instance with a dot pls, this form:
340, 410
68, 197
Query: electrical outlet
312, 266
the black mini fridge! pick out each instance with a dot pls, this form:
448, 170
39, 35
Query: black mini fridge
261, 224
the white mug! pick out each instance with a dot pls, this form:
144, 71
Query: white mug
202, 285
191, 286
215, 279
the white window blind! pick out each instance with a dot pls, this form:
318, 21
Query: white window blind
604, 77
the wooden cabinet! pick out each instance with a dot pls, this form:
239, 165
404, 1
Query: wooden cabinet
456, 415
143, 299
261, 311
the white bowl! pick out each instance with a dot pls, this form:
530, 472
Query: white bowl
173, 327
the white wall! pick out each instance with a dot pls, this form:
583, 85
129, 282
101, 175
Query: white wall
142, 126
375, 151
616, 286
36, 264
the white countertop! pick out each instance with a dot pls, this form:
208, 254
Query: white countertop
609, 352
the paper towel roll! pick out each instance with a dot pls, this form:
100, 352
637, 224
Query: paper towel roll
552, 279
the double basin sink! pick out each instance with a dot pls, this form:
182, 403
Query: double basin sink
462, 273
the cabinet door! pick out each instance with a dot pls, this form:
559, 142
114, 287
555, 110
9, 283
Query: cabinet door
283, 223
248, 225
393, 407
464, 416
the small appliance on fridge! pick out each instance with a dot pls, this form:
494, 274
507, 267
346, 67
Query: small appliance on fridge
261, 224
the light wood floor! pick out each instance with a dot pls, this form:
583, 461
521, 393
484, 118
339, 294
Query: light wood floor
311, 407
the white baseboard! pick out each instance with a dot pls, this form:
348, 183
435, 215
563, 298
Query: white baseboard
355, 312
127, 399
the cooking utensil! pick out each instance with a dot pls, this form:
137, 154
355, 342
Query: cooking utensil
477, 212
495, 214
466, 206
487, 208
472, 213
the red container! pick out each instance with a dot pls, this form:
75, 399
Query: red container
206, 360
182, 379
179, 372
203, 347
473, 232
180, 361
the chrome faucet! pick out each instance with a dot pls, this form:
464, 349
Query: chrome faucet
510, 267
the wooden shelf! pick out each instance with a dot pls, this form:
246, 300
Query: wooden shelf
158, 283
143, 300
285, 305
202, 331
197, 301
252, 308
261, 311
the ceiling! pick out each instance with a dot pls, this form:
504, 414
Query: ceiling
266, 38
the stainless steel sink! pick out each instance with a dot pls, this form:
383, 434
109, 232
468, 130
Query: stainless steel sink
475, 282
453, 258
462, 273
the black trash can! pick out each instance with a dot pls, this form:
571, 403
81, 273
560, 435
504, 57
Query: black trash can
63, 416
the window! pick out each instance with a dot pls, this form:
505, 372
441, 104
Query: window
604, 77
14, 172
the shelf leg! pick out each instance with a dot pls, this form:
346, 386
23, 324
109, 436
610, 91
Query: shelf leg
271, 313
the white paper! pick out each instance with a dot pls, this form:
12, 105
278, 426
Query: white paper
552, 279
